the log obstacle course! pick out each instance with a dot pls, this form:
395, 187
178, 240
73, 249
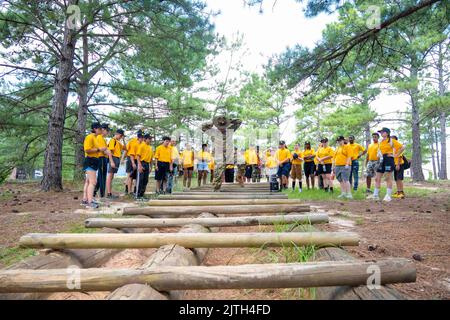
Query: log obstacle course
175, 266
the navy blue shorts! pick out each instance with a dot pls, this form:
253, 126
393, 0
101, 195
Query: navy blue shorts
284, 169
388, 165
163, 170
90, 164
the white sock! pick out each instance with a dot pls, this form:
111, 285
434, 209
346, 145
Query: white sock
389, 192
376, 191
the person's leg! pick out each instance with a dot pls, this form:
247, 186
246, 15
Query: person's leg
92, 179
355, 169
199, 177
185, 175
211, 178
85, 188
109, 180
368, 182
205, 176
169, 179
144, 180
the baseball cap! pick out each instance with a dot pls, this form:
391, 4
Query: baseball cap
120, 131
105, 126
147, 136
384, 129
340, 138
323, 140
282, 142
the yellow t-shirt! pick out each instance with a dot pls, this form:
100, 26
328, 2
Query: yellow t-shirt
297, 161
90, 142
163, 153
271, 162
341, 154
250, 157
282, 154
187, 157
309, 152
355, 149
399, 160
211, 164
386, 148
132, 146
203, 156
372, 151
116, 147
101, 143
175, 154
145, 152
325, 152
267, 154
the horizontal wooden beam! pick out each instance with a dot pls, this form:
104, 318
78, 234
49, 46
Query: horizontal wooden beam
216, 195
206, 222
188, 240
232, 209
257, 276
223, 202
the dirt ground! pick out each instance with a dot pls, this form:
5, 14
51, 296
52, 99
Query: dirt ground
415, 226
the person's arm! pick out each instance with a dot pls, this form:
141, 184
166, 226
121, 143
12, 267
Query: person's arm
93, 150
140, 168
360, 154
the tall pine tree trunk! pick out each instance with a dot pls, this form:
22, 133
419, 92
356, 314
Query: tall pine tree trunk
416, 165
82, 111
442, 116
52, 173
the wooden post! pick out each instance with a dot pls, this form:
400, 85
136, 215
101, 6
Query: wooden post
206, 222
191, 240
223, 202
256, 276
178, 211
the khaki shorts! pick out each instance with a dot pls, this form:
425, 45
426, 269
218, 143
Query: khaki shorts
296, 171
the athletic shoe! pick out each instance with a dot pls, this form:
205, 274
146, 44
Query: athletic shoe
84, 202
373, 197
300, 190
349, 196
387, 198
112, 196
341, 196
401, 195
368, 191
92, 205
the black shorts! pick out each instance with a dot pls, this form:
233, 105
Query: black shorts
309, 168
388, 165
324, 168
129, 167
248, 171
229, 175
117, 163
399, 175
163, 169
90, 164
188, 169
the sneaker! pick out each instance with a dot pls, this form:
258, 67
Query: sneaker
368, 191
92, 205
300, 190
387, 198
84, 202
341, 196
373, 197
112, 196
396, 195
348, 196
401, 195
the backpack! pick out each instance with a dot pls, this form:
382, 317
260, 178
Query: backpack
406, 163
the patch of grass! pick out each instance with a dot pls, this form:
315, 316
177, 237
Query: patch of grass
80, 228
11, 255
359, 221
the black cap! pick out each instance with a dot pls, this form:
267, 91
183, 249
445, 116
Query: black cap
323, 140
340, 138
139, 132
140, 135
96, 125
307, 143
384, 129
282, 142
105, 126
120, 131
147, 136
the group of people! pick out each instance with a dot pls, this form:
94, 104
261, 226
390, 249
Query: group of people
384, 156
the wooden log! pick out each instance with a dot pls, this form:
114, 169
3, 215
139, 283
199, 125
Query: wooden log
255, 195
191, 240
347, 292
256, 276
136, 291
169, 255
206, 222
177, 211
223, 202
200, 196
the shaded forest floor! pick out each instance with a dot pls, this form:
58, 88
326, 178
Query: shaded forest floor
418, 225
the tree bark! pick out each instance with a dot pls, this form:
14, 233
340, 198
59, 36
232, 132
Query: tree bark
82, 111
416, 164
52, 172
442, 116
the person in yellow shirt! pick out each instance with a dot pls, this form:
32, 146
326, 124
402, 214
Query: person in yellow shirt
115, 147
90, 165
372, 161
342, 166
296, 170
357, 151
103, 161
399, 174
163, 166
309, 167
388, 150
131, 164
283, 158
251, 160
172, 176
187, 161
203, 158
325, 159
144, 157
211, 167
